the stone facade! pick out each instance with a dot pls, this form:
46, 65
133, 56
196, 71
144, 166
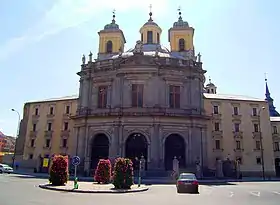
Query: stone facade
155, 119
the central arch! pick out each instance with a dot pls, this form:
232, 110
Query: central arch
136, 146
99, 149
174, 147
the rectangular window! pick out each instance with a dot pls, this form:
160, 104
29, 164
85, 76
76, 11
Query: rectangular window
256, 128
217, 144
48, 142
64, 143
238, 145
67, 110
149, 37
258, 145
51, 111
216, 109
142, 37
137, 95
235, 110
49, 126
236, 127
275, 131
32, 143
158, 38
217, 126
276, 146
36, 111
254, 111
258, 160
174, 96
102, 97
65, 125
34, 127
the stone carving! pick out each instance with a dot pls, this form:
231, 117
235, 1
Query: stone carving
90, 57
138, 47
83, 59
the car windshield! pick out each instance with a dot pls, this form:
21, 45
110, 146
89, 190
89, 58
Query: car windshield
5, 166
187, 176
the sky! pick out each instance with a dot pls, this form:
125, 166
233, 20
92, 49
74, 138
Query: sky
42, 42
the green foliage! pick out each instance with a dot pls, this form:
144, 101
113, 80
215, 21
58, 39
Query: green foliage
123, 173
59, 170
103, 171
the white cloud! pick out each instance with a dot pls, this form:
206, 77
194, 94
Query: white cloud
71, 13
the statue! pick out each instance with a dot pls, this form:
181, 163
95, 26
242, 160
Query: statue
175, 167
143, 165
157, 51
199, 57
138, 47
90, 57
84, 59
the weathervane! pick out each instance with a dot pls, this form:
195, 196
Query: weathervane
114, 15
265, 76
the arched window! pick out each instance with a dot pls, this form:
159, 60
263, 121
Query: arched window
109, 47
158, 38
149, 37
142, 37
181, 44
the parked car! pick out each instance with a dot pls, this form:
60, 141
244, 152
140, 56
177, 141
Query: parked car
187, 183
4, 168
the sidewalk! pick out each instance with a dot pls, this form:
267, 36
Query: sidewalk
158, 180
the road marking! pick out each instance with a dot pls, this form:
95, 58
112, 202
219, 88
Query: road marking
255, 193
276, 192
231, 194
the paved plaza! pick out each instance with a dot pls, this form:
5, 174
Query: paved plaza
19, 189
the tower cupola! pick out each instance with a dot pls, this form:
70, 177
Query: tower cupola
272, 110
150, 31
211, 88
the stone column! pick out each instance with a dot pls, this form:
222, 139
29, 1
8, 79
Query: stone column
114, 146
155, 149
189, 148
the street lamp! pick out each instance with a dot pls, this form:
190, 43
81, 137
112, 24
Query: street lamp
261, 138
16, 136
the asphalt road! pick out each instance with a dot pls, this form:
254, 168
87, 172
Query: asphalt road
16, 189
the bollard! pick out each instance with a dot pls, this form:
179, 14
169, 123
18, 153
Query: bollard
76, 185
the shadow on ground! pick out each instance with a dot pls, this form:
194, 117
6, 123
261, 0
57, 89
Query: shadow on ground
217, 183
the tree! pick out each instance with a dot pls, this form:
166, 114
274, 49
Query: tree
103, 171
123, 173
59, 170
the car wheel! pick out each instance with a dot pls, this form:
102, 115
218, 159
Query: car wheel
1, 171
178, 191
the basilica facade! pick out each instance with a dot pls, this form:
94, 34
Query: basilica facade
151, 102
145, 101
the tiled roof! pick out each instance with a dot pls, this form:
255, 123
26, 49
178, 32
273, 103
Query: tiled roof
71, 97
275, 119
231, 97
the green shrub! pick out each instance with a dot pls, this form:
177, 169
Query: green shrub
103, 171
123, 173
59, 170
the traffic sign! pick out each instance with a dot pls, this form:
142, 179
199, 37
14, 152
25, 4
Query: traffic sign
76, 160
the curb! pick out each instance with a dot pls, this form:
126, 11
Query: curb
53, 188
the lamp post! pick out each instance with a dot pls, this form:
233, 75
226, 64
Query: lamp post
261, 142
16, 136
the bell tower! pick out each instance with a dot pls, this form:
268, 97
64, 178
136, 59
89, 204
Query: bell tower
211, 88
180, 36
111, 40
150, 31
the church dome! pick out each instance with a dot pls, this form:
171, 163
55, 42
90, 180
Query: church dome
112, 26
181, 24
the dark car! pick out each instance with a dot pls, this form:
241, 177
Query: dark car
187, 183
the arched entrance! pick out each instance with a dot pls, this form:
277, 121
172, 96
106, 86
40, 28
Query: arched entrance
174, 146
99, 149
136, 146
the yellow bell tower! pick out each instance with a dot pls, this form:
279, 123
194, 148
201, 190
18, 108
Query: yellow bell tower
150, 31
181, 36
111, 40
